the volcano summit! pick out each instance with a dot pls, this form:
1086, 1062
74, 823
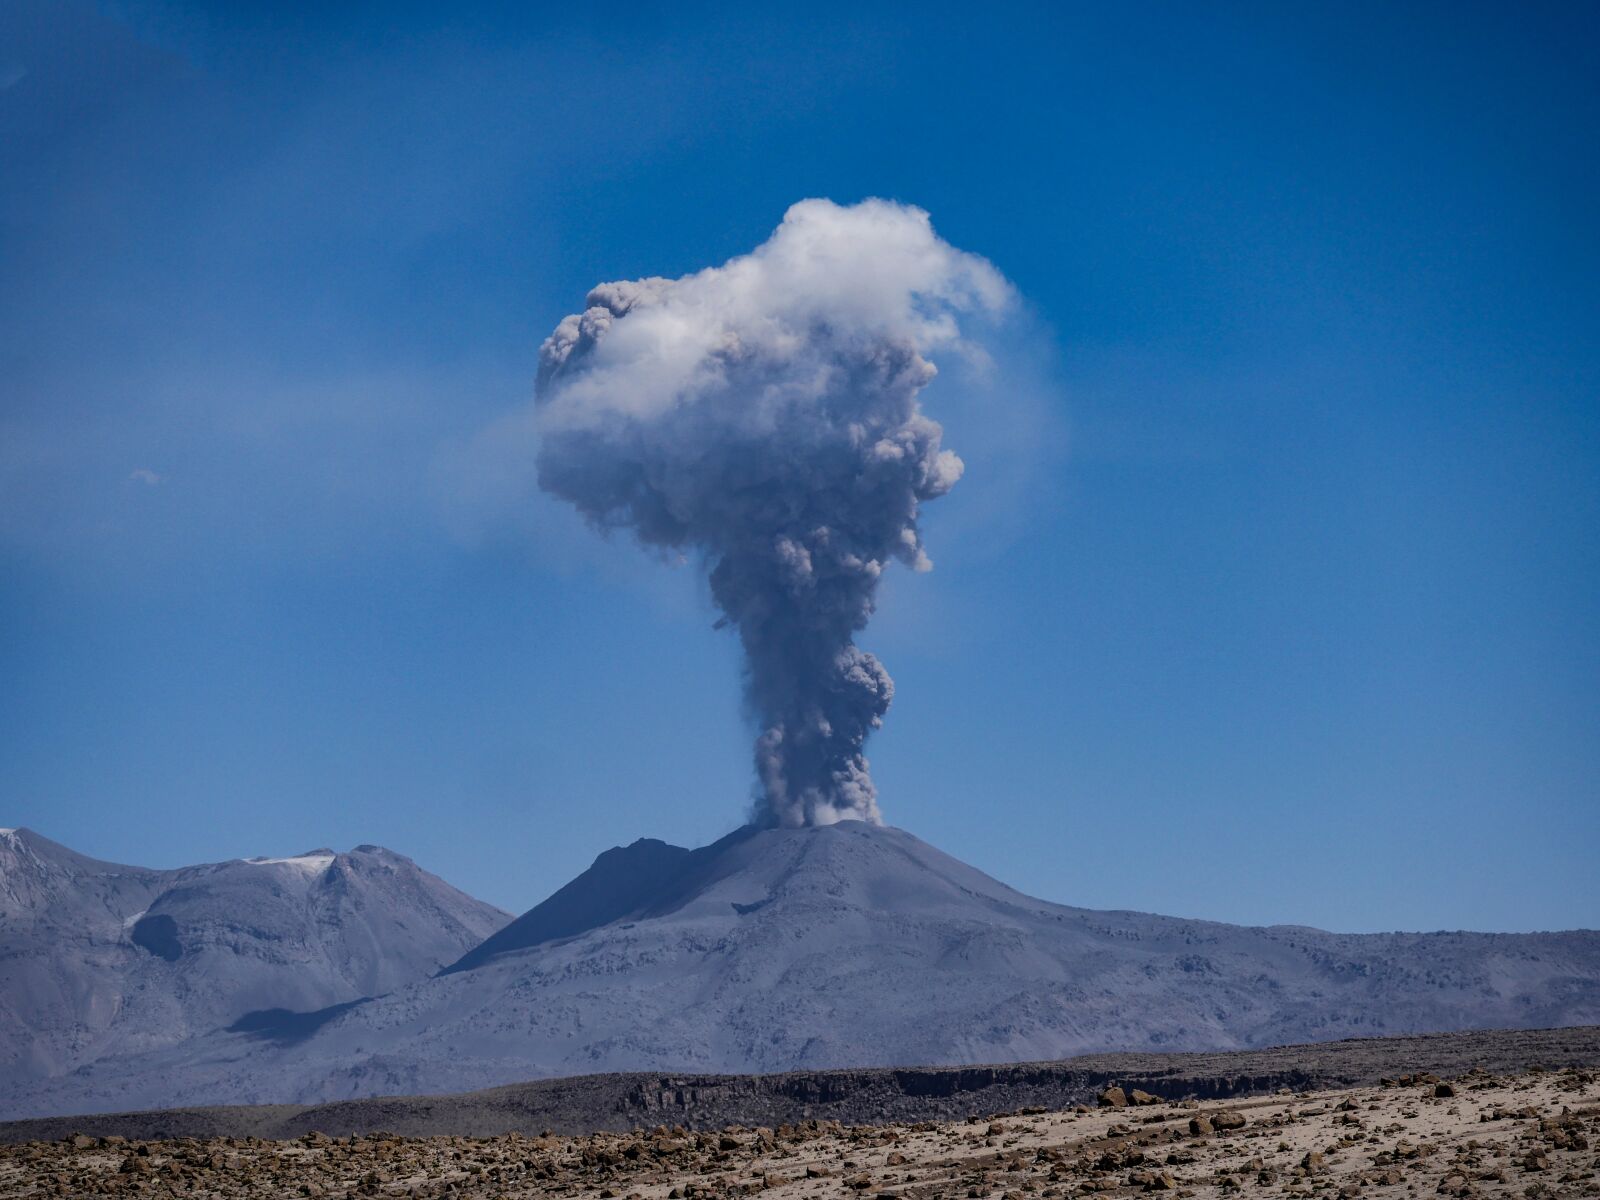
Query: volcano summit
843, 945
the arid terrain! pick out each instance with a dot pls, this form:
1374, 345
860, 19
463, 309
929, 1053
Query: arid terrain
1532, 1133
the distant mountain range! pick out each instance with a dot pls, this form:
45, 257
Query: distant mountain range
99, 959
847, 945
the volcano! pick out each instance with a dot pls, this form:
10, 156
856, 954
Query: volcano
844, 945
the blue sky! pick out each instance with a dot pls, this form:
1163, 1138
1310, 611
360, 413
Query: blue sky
1269, 594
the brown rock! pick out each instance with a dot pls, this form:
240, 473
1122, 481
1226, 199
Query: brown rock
1200, 1126
1143, 1098
1112, 1097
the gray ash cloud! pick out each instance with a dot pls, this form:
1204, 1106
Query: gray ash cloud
763, 416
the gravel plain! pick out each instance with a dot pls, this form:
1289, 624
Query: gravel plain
1528, 1134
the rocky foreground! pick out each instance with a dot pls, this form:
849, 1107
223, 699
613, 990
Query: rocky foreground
1531, 1134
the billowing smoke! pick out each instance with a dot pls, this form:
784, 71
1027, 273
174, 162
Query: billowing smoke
764, 415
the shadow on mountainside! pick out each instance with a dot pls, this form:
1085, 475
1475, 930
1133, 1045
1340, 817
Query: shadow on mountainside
284, 1025
642, 879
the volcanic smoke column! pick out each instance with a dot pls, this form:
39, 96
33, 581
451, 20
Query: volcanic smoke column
764, 415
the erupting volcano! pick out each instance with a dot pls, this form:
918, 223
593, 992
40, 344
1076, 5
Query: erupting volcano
850, 944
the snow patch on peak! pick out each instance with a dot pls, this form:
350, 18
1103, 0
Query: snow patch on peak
130, 922
310, 864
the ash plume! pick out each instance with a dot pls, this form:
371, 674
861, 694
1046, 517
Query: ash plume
763, 416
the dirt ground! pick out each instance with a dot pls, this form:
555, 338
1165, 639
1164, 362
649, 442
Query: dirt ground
1534, 1134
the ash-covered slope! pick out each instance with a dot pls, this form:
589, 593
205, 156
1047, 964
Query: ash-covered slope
842, 946
98, 958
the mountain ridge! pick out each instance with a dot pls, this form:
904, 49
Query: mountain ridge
99, 957
847, 946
